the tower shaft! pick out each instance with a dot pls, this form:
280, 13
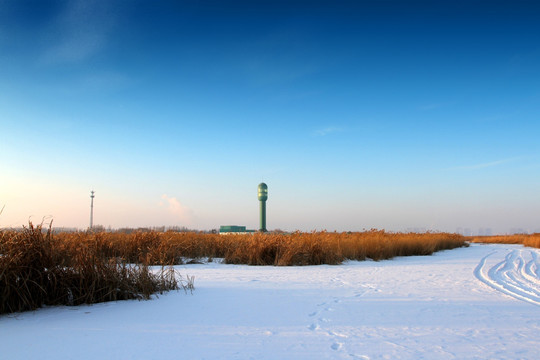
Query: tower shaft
262, 216
262, 195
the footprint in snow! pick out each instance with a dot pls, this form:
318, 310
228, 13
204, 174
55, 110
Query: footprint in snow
332, 333
363, 357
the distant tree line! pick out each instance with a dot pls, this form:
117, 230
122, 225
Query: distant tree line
124, 230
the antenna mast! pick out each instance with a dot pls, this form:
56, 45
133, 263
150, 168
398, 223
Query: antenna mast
91, 208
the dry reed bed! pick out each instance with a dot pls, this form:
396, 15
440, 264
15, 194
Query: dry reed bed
169, 248
333, 248
532, 240
36, 270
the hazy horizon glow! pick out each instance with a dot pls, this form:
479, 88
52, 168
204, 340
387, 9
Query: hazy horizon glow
358, 115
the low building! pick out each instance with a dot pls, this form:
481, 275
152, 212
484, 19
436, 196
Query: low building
234, 229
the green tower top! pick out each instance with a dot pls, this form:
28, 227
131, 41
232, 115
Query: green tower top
262, 192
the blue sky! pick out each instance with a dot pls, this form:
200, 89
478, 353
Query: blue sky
368, 114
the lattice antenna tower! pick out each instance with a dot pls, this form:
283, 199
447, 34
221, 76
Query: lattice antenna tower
91, 209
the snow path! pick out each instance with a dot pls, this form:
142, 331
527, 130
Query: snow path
517, 275
452, 305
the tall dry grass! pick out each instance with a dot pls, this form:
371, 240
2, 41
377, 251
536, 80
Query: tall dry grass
333, 248
168, 248
531, 240
38, 269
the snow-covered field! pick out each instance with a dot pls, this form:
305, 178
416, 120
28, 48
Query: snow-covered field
481, 302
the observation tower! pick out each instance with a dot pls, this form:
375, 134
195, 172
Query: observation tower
262, 196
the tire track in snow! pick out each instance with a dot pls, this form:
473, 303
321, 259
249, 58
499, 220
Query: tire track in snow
517, 275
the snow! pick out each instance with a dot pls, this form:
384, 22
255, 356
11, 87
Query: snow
481, 302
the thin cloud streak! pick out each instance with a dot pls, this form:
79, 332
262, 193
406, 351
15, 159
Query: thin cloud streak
327, 130
79, 32
484, 165
435, 106
430, 107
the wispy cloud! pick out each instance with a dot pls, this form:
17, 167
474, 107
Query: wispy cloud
434, 106
429, 107
282, 56
79, 32
105, 80
327, 130
181, 212
499, 117
484, 165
